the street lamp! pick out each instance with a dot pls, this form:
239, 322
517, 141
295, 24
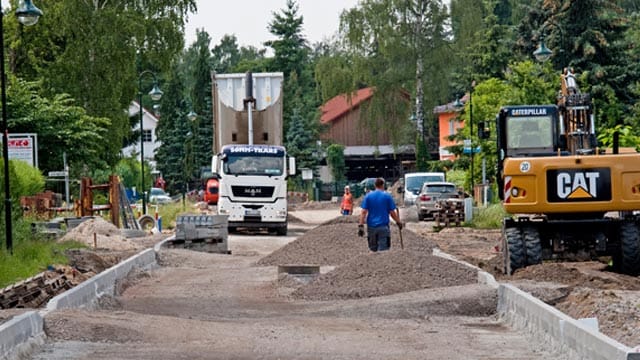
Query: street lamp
155, 94
28, 15
542, 53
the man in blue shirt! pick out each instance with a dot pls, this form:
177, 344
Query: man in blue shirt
377, 206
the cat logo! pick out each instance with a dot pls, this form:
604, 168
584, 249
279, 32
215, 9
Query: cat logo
571, 185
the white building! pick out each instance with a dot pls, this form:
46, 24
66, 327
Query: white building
149, 125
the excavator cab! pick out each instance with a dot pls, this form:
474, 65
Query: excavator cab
528, 130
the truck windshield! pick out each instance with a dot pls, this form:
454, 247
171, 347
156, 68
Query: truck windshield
529, 132
242, 164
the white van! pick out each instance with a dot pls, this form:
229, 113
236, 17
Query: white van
413, 183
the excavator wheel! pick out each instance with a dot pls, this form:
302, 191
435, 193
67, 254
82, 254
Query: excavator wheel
630, 243
513, 250
533, 246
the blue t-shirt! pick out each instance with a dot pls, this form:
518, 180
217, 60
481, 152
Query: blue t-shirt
378, 204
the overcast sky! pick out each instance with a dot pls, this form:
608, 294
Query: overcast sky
248, 19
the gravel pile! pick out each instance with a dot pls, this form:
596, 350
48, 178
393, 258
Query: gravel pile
386, 273
359, 273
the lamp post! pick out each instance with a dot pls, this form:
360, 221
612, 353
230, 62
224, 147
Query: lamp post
155, 94
473, 150
28, 15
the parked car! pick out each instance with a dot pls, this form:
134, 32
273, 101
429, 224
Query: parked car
159, 196
369, 184
430, 194
413, 184
211, 192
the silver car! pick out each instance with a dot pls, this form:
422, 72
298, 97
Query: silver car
158, 196
430, 194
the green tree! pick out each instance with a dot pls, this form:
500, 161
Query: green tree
301, 141
61, 125
172, 132
200, 95
226, 54
588, 36
94, 51
290, 48
335, 159
291, 56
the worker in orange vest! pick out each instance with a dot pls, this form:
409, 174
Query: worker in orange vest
346, 207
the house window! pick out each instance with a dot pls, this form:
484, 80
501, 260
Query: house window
234, 137
452, 127
146, 136
265, 136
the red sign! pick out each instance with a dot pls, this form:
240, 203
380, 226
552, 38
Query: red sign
20, 143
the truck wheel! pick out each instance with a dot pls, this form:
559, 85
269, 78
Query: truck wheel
630, 242
282, 231
420, 216
533, 246
513, 250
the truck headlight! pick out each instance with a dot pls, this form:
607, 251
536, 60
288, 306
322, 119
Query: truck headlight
281, 213
223, 211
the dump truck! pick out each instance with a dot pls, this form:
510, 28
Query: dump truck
250, 162
567, 199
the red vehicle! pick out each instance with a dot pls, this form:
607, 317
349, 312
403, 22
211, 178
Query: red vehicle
211, 192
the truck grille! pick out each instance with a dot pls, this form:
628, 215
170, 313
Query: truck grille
252, 191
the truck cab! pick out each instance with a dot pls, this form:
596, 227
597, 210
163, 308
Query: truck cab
253, 186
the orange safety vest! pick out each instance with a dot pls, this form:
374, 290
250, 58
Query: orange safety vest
347, 202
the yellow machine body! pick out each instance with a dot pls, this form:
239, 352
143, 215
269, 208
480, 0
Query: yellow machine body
571, 184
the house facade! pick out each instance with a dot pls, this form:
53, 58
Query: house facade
448, 124
150, 143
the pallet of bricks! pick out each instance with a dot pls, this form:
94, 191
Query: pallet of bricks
450, 212
36, 291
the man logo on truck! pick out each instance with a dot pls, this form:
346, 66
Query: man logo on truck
253, 191
579, 185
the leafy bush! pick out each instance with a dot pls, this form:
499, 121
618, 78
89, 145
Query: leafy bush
25, 179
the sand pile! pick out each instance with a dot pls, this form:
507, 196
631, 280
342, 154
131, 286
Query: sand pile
99, 233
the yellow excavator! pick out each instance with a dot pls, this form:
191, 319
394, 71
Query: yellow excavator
567, 198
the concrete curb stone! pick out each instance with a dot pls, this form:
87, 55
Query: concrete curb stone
521, 310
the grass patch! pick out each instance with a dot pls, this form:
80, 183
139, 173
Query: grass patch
169, 212
31, 255
490, 217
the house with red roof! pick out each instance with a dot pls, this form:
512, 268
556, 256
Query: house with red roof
342, 119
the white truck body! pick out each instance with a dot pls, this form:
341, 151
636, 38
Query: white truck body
231, 115
250, 161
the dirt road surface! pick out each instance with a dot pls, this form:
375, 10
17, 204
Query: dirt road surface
363, 306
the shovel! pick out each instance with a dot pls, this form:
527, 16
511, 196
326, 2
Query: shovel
401, 242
